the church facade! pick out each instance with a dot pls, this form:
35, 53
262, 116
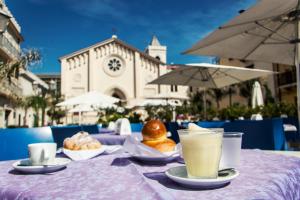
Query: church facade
118, 69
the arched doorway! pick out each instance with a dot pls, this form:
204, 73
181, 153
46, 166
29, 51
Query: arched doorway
116, 92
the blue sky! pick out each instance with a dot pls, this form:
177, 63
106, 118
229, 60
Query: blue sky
59, 27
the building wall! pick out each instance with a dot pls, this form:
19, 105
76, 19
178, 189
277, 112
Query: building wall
129, 81
268, 80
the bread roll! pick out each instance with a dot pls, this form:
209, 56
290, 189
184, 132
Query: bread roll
155, 135
165, 145
154, 130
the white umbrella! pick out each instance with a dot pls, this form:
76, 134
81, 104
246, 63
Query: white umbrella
91, 98
80, 109
169, 96
268, 31
209, 76
158, 102
257, 97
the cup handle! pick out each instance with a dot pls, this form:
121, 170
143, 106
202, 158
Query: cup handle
46, 155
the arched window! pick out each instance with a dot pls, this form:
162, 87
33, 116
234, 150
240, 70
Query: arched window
157, 57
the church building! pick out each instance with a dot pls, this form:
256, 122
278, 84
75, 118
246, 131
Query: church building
118, 69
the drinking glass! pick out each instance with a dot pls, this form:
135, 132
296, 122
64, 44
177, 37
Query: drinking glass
201, 152
231, 150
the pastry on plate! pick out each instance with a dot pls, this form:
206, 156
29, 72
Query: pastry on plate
155, 135
81, 141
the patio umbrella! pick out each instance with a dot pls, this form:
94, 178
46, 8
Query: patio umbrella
257, 97
80, 109
268, 32
158, 102
169, 96
206, 76
91, 98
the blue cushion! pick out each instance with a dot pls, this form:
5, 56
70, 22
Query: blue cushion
136, 127
173, 127
264, 134
14, 142
62, 132
211, 124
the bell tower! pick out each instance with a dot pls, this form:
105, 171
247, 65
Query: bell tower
156, 50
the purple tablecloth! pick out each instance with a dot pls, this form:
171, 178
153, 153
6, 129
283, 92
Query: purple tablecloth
262, 176
112, 138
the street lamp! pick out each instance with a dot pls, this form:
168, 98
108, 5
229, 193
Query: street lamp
53, 85
35, 87
4, 20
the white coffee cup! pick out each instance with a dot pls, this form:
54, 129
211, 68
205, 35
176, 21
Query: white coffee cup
42, 153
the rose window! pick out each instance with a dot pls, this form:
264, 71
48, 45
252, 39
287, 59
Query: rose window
114, 64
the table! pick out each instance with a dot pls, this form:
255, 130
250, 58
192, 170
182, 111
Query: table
113, 139
262, 176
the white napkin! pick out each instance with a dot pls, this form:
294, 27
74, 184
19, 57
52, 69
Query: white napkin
256, 117
111, 126
83, 154
123, 127
195, 127
134, 147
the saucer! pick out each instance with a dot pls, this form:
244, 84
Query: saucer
167, 157
179, 175
26, 167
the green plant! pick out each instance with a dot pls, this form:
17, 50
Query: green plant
268, 95
28, 57
134, 117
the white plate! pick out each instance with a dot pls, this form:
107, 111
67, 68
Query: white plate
169, 156
26, 167
83, 154
179, 175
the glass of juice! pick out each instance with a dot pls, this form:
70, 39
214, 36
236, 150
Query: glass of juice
201, 152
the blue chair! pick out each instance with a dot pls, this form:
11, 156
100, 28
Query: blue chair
211, 124
265, 134
62, 132
184, 124
292, 136
136, 127
173, 127
91, 129
14, 142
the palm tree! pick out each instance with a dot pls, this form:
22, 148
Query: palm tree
11, 70
37, 103
217, 94
25, 104
246, 90
231, 91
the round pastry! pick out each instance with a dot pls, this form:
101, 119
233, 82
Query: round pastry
81, 141
165, 145
154, 130
68, 143
155, 135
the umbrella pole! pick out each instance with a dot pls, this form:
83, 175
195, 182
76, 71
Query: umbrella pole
297, 59
204, 103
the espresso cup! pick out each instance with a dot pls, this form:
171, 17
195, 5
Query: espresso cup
42, 153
